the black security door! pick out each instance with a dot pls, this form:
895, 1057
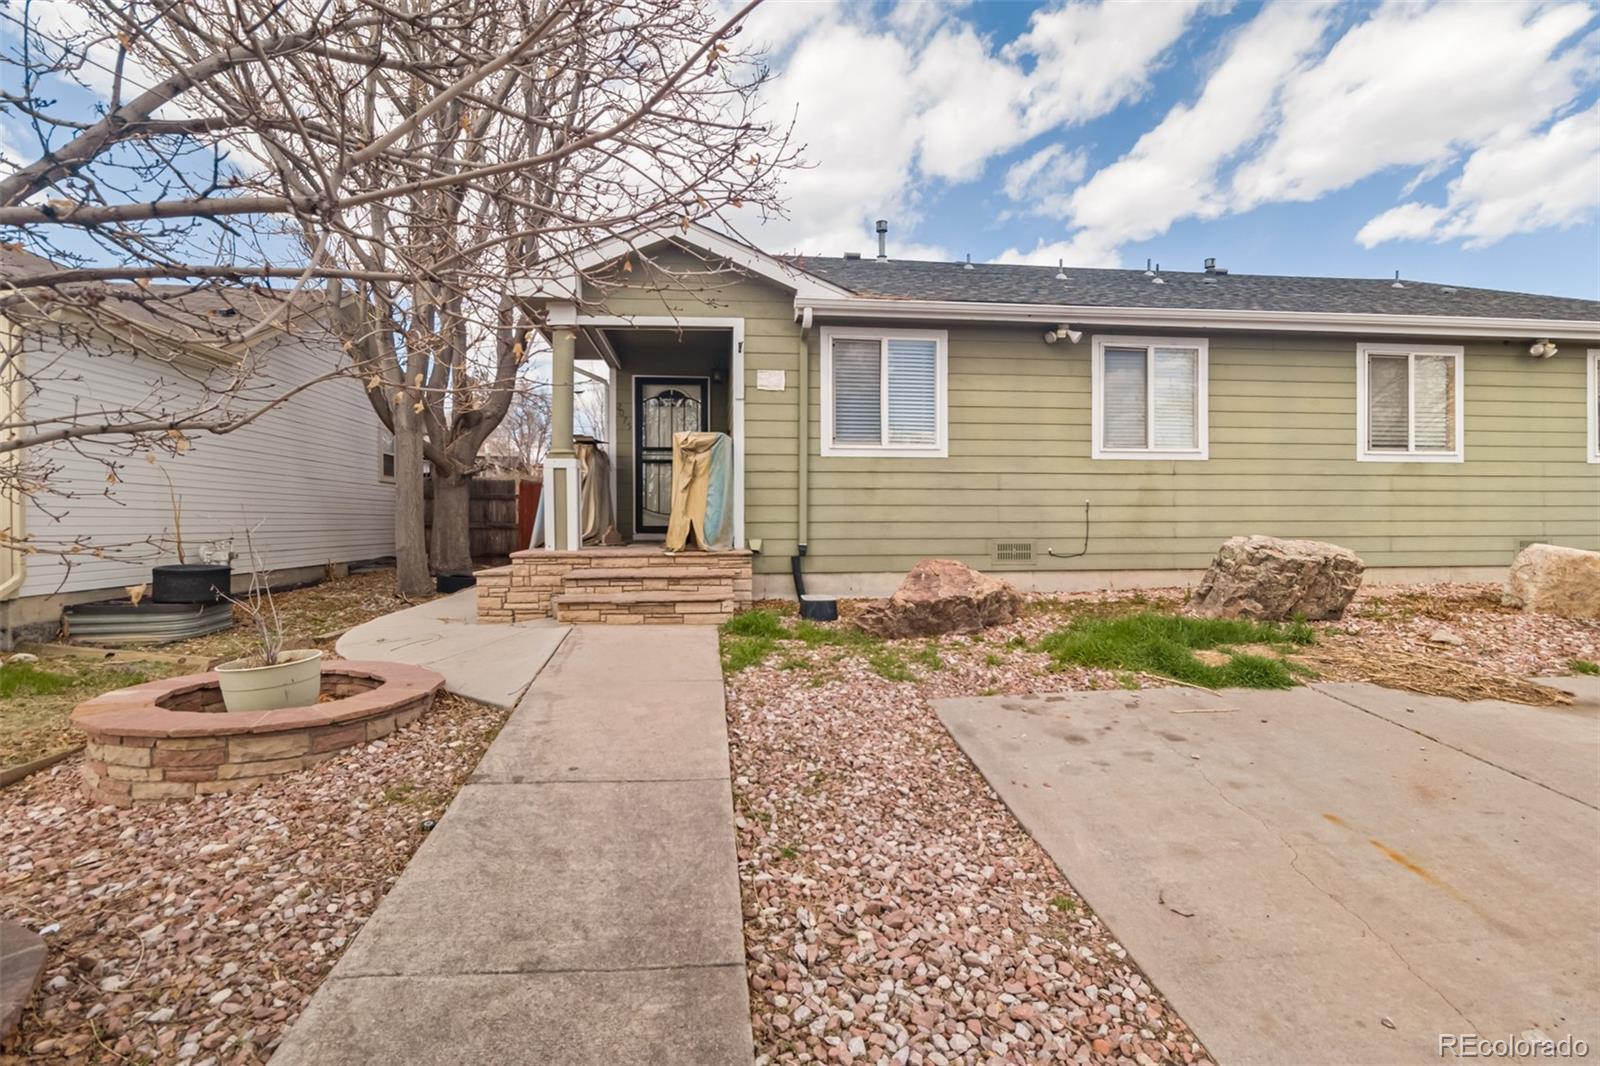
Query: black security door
662, 407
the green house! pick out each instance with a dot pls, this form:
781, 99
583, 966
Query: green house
1079, 427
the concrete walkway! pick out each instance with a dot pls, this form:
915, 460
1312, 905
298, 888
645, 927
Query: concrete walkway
579, 901
493, 664
1338, 872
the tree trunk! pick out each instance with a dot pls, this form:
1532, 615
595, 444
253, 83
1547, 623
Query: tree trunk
410, 538
452, 527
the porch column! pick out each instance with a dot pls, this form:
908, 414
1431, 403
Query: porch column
561, 467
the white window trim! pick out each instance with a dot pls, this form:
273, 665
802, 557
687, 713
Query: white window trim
1594, 405
1365, 349
385, 448
940, 449
1202, 398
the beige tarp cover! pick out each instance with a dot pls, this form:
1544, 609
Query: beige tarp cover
594, 489
701, 500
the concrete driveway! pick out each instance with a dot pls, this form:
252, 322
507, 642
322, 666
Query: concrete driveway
1339, 873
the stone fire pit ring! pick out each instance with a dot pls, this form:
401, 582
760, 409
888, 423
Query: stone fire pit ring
172, 739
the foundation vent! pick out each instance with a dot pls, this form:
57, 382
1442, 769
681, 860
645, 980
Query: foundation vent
1012, 554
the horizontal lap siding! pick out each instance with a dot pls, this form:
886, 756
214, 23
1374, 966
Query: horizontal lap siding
305, 476
1282, 447
1282, 457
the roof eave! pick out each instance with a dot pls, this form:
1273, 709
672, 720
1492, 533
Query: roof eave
1190, 318
566, 282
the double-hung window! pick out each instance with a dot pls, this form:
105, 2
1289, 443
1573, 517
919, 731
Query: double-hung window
1408, 403
1149, 398
884, 392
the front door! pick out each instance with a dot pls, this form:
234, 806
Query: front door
662, 407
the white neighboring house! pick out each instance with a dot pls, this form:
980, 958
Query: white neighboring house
310, 478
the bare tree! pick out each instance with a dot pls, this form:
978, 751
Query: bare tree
612, 117
410, 162
522, 439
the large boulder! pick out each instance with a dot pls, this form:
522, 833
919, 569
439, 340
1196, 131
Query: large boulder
1550, 579
941, 596
1273, 580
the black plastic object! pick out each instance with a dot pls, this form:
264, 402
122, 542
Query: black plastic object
190, 583
815, 608
448, 583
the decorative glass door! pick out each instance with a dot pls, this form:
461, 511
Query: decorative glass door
662, 407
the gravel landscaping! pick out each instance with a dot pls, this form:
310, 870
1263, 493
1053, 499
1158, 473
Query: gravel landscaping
195, 932
895, 911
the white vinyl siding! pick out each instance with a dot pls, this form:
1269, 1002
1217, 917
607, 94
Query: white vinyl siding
883, 393
303, 477
1149, 398
1408, 403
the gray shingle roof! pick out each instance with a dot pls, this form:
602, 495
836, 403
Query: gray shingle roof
1084, 287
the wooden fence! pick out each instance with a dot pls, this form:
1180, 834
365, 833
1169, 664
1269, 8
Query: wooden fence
492, 515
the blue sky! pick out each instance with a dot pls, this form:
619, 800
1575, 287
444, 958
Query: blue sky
1452, 142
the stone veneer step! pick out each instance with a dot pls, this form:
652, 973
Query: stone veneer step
634, 573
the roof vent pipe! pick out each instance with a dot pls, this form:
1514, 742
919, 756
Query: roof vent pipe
882, 226
968, 264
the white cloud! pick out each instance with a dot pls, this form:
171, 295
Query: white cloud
1171, 172
1089, 59
889, 107
1044, 178
1519, 183
1411, 221
1412, 86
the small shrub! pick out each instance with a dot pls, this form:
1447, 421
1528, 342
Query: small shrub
994, 660
1064, 904
1584, 666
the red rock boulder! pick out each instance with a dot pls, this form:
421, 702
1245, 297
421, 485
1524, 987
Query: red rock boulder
941, 596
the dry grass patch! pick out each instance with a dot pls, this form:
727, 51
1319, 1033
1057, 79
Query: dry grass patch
37, 698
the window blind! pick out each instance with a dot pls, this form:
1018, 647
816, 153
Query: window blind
1388, 400
913, 392
857, 391
1123, 418
1177, 398
1435, 383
